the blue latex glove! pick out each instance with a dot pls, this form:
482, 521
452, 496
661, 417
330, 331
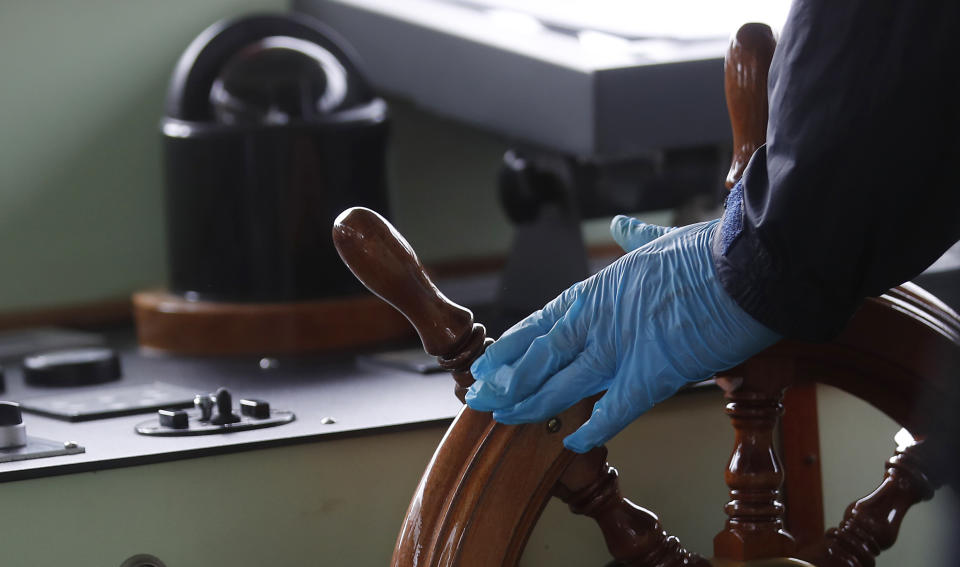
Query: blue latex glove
640, 329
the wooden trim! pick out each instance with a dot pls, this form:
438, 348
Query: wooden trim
170, 323
800, 448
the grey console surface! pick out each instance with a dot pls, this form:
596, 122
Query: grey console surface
331, 397
451, 58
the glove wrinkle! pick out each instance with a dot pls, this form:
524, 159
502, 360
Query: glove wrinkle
640, 329
579, 376
631, 233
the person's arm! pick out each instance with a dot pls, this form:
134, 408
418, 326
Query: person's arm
857, 188
853, 194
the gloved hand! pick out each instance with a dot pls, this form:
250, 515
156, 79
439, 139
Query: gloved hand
640, 329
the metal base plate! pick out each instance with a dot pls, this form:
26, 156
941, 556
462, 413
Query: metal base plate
83, 404
197, 427
37, 448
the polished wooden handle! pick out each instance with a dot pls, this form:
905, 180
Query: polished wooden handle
745, 81
871, 524
754, 527
634, 536
383, 261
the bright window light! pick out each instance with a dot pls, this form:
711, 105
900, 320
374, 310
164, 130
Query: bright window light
514, 21
646, 19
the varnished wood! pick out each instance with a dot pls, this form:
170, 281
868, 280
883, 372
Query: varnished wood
169, 323
754, 528
746, 66
380, 257
755, 513
483, 491
896, 354
872, 523
634, 536
800, 451
386, 264
487, 483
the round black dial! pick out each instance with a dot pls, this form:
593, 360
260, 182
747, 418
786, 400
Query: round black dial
74, 367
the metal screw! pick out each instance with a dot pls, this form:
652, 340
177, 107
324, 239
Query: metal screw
553, 425
328, 420
267, 363
70, 445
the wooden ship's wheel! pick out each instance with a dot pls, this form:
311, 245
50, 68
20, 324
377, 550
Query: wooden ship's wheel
487, 484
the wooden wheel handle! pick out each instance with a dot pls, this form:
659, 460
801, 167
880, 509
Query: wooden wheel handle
384, 262
486, 485
746, 67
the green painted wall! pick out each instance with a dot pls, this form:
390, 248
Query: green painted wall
82, 90
340, 502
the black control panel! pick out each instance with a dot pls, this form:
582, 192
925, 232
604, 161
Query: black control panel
96, 402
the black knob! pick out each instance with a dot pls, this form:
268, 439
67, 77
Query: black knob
75, 367
257, 409
174, 419
10, 414
224, 413
12, 431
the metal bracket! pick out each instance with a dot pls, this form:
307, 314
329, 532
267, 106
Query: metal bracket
196, 426
37, 448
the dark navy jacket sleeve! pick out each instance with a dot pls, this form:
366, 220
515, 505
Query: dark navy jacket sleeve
858, 187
